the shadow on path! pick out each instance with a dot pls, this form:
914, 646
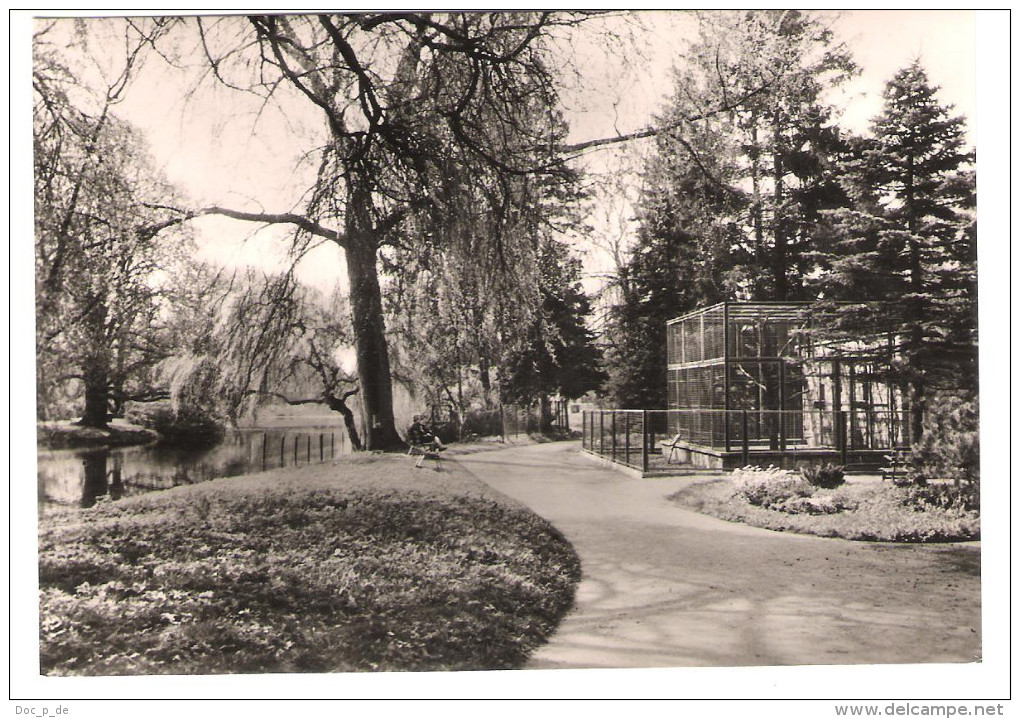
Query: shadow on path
664, 586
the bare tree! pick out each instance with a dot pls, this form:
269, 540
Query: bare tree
414, 104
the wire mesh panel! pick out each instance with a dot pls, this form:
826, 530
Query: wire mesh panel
618, 435
674, 343
872, 430
691, 338
767, 329
713, 333
632, 437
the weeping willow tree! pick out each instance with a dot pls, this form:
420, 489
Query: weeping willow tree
420, 110
105, 236
461, 305
271, 340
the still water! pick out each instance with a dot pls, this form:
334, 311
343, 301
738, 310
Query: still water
81, 477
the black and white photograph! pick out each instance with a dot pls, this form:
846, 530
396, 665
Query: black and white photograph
505, 354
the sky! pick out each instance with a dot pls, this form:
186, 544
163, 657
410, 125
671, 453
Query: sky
210, 144
222, 161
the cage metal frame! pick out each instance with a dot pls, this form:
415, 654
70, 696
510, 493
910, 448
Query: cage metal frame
778, 356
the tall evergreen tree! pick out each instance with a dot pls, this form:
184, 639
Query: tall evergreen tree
682, 260
778, 136
730, 198
558, 354
909, 242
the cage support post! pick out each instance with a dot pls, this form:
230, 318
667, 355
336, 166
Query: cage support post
842, 437
644, 440
745, 449
626, 438
612, 426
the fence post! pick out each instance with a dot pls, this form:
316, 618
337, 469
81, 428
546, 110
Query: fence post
296, 437
322, 447
309, 449
782, 431
644, 440
612, 428
602, 433
283, 446
841, 436
745, 448
265, 439
626, 441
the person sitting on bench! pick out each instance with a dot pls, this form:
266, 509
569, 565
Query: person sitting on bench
418, 434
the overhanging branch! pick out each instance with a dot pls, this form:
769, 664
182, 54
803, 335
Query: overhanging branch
269, 218
653, 131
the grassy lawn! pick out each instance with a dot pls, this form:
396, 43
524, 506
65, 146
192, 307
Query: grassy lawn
68, 435
364, 564
861, 510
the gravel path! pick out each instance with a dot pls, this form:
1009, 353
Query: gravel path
667, 587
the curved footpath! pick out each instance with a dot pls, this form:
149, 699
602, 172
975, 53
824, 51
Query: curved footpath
667, 587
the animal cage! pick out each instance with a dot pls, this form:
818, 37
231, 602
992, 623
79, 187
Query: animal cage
759, 374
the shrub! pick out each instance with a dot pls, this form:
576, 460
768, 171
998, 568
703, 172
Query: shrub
769, 487
950, 447
824, 476
185, 427
868, 511
831, 503
946, 497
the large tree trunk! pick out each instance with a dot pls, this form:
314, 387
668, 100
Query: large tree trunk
369, 331
916, 308
545, 420
917, 401
97, 399
754, 153
779, 258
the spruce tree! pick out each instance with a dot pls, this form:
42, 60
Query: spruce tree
908, 245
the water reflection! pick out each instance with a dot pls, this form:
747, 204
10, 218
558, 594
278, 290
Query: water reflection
83, 477
94, 486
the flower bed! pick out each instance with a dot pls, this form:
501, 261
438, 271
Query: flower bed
863, 510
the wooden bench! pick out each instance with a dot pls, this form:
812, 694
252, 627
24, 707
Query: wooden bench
897, 468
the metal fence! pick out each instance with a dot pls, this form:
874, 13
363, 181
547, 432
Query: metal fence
633, 437
269, 450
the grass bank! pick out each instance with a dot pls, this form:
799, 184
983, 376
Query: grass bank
859, 510
69, 435
364, 564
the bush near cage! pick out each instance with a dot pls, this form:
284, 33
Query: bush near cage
770, 486
824, 476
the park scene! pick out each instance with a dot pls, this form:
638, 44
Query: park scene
460, 341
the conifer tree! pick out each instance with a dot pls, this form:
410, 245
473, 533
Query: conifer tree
908, 244
730, 198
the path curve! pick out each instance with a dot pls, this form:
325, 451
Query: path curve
666, 587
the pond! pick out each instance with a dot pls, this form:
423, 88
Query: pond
81, 477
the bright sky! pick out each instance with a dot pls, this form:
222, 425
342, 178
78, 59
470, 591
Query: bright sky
207, 145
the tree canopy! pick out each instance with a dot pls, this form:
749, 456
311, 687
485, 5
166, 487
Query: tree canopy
444, 173
107, 242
